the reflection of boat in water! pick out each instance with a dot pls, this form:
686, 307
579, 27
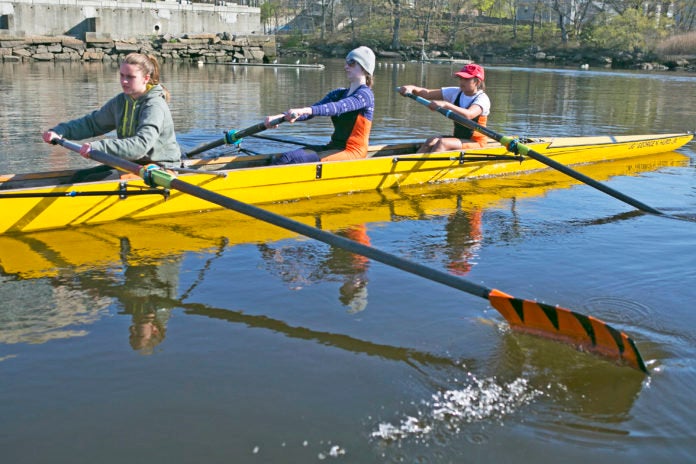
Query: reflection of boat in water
45, 253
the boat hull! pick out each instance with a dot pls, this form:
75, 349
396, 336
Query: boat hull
73, 204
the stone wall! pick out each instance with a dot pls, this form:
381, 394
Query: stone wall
207, 48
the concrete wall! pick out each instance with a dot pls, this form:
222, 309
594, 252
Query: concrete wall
122, 20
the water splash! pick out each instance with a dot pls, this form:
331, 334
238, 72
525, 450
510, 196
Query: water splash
334, 452
478, 400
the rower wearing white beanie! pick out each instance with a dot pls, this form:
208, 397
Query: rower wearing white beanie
365, 57
351, 110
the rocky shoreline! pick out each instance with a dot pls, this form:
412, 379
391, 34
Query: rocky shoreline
563, 57
505, 55
223, 48
206, 48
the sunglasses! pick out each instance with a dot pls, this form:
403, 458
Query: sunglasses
351, 62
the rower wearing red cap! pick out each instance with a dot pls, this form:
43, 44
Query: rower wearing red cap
469, 100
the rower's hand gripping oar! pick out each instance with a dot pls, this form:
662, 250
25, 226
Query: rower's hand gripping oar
583, 332
513, 145
233, 137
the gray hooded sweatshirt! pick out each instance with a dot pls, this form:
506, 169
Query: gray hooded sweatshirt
144, 129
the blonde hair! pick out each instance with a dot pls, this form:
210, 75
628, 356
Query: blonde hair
148, 64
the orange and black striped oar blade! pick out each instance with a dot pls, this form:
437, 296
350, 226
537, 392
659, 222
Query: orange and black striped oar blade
586, 333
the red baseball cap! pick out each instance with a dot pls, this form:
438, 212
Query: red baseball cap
471, 70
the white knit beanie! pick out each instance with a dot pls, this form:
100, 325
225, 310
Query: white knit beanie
365, 57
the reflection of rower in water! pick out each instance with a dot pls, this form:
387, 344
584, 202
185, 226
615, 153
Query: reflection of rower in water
145, 291
353, 292
148, 328
291, 264
144, 288
464, 239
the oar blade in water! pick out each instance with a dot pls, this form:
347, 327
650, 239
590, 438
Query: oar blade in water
586, 333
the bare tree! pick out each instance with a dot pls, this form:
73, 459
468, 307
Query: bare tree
537, 12
685, 15
429, 10
351, 8
572, 14
396, 14
456, 8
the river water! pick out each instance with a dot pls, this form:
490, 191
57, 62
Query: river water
216, 338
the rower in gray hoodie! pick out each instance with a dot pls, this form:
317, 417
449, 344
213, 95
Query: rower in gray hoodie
140, 115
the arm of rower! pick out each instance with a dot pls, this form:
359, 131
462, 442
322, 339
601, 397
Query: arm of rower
430, 94
469, 113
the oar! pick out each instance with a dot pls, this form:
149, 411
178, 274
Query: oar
281, 140
514, 146
233, 136
583, 332
199, 171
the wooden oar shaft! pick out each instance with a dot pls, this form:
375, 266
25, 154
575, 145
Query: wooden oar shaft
515, 146
551, 322
233, 136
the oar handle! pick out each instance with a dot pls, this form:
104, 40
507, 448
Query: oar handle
233, 136
104, 158
515, 146
67, 144
260, 127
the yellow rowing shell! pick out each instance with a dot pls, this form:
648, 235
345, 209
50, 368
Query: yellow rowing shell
43, 201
